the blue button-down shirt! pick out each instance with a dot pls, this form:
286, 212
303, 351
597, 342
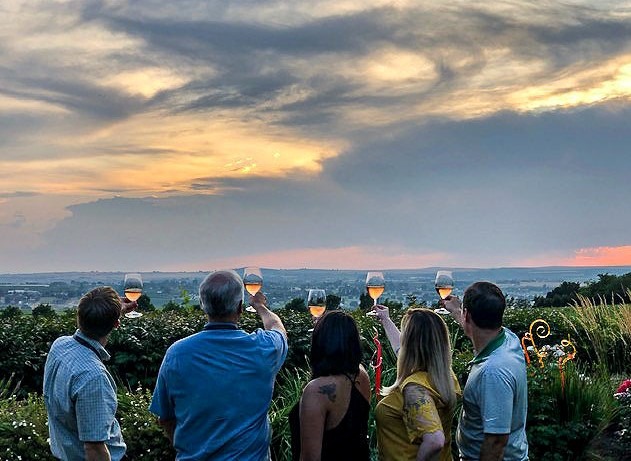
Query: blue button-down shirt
217, 386
80, 397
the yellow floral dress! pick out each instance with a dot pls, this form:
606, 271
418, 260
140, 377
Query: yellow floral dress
400, 432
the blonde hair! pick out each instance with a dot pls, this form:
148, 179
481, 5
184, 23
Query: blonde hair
425, 346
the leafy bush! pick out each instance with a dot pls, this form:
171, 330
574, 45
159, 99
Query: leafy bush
142, 434
564, 421
23, 429
561, 424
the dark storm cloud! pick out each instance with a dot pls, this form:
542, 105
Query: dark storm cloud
475, 189
72, 93
548, 181
241, 53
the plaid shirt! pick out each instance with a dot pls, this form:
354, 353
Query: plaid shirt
80, 397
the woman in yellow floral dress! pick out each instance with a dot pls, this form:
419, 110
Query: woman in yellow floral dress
414, 417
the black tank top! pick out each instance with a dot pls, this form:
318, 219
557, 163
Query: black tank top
348, 441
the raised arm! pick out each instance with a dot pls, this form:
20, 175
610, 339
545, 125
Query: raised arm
454, 306
270, 320
392, 332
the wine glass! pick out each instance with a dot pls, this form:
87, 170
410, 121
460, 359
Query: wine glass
253, 281
133, 290
444, 285
316, 300
375, 284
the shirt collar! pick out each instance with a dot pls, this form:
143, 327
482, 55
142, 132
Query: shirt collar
94, 343
490, 347
221, 326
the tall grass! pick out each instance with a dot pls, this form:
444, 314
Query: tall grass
287, 395
606, 326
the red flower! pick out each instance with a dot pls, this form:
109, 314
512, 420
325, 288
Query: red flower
624, 386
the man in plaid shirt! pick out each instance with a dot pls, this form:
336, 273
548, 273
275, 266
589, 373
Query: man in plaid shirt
79, 392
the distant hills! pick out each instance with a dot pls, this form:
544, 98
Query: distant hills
498, 275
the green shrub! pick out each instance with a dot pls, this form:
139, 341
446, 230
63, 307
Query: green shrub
560, 425
23, 429
141, 432
564, 421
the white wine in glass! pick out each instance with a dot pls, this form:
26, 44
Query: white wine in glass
444, 285
316, 300
133, 291
253, 282
375, 284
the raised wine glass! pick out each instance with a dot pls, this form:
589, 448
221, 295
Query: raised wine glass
253, 281
375, 284
133, 290
316, 300
444, 285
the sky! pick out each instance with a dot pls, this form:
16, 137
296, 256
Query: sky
196, 135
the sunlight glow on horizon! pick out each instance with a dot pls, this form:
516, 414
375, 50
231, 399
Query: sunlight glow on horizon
585, 257
344, 258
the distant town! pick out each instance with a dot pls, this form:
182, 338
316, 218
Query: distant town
62, 290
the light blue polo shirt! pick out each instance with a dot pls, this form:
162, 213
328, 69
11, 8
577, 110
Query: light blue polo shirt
495, 399
218, 387
80, 398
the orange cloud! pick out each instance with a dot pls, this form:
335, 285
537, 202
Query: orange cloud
596, 256
351, 258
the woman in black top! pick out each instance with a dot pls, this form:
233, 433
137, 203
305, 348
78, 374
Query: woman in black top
330, 423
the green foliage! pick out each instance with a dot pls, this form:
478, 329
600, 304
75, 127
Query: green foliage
10, 311
143, 436
287, 395
186, 298
23, 429
365, 302
333, 302
604, 331
563, 295
296, 304
564, 423
144, 304
613, 288
560, 425
44, 310
24, 344
391, 304
171, 306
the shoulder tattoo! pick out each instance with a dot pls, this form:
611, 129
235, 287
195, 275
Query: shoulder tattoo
328, 390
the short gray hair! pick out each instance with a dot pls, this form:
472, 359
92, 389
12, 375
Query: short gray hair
221, 293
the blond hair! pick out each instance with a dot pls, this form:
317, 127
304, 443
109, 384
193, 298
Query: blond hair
425, 346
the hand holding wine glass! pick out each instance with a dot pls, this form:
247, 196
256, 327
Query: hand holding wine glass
316, 300
253, 282
375, 285
444, 285
133, 290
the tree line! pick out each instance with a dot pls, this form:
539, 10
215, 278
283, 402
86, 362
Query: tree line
612, 288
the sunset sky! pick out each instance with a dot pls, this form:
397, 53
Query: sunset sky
193, 135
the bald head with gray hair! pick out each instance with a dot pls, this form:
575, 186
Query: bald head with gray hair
221, 294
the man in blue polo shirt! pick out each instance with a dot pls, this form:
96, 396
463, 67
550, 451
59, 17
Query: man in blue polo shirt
492, 425
214, 387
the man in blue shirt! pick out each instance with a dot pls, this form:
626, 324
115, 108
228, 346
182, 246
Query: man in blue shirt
79, 392
492, 425
214, 387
